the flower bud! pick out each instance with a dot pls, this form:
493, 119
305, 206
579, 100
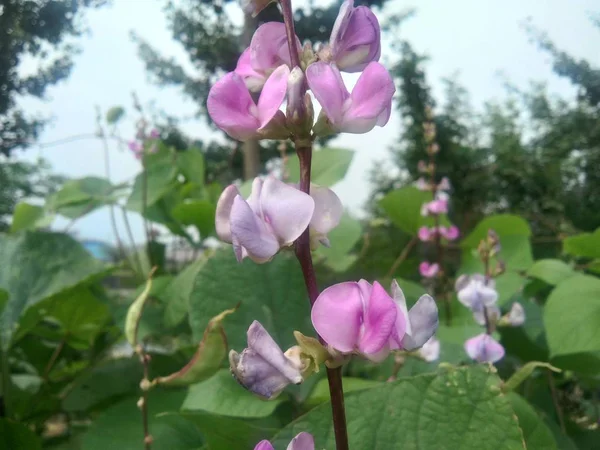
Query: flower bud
515, 317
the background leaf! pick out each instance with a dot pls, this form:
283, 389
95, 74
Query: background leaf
551, 271
329, 165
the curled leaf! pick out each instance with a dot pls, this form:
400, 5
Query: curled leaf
134, 313
208, 358
524, 372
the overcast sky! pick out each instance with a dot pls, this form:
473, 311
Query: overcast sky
477, 38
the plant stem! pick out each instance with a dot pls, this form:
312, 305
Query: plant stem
54, 357
401, 257
288, 19
145, 206
559, 413
145, 359
334, 376
135, 254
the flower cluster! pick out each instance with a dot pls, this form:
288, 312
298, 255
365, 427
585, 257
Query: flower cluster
142, 140
267, 66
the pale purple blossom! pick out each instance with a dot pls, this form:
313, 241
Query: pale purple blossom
435, 207
516, 315
426, 234
476, 292
232, 108
358, 318
154, 133
262, 367
369, 104
484, 348
355, 38
428, 270
449, 233
302, 441
326, 216
274, 216
431, 350
135, 146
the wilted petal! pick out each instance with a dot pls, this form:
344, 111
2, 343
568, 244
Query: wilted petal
272, 95
370, 100
423, 319
430, 351
378, 321
516, 315
355, 38
302, 441
287, 210
327, 85
337, 316
328, 209
223, 212
264, 445
483, 348
231, 107
253, 79
269, 47
251, 233
428, 270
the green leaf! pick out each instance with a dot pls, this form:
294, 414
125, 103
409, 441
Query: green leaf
320, 392
28, 217
572, 315
525, 372
272, 293
17, 436
114, 115
536, 434
191, 164
227, 433
551, 271
79, 197
158, 181
456, 408
198, 213
222, 395
343, 238
120, 426
38, 265
507, 285
178, 293
403, 206
503, 224
329, 165
586, 245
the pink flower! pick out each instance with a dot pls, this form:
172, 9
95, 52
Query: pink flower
327, 215
483, 348
444, 184
435, 207
302, 441
268, 50
358, 318
262, 367
475, 292
135, 146
355, 38
232, 108
419, 324
428, 270
274, 216
154, 133
426, 234
450, 233
369, 104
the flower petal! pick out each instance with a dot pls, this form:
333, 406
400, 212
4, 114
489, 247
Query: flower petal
256, 374
371, 96
223, 211
379, 320
430, 351
302, 441
516, 315
327, 85
285, 209
269, 47
264, 445
337, 315
254, 199
483, 348
253, 79
272, 95
328, 209
424, 321
249, 232
231, 107
402, 325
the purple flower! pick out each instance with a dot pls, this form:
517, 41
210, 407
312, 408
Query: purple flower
431, 350
419, 324
428, 270
135, 146
426, 234
358, 318
274, 216
268, 50
516, 315
327, 215
475, 292
232, 108
262, 367
435, 207
369, 104
483, 348
154, 133
355, 38
302, 441
450, 233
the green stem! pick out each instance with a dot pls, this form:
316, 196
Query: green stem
5, 386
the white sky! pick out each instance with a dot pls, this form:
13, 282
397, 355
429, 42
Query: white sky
477, 38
